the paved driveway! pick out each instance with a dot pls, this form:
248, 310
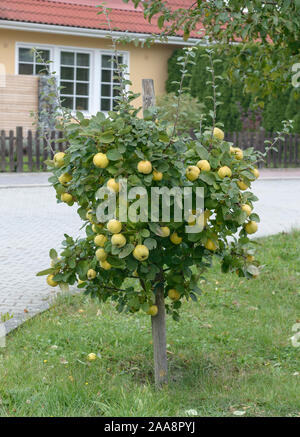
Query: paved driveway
32, 223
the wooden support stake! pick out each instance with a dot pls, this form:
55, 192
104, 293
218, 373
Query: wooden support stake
158, 321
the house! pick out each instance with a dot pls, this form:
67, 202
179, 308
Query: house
72, 35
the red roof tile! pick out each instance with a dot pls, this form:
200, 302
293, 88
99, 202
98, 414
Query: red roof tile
82, 13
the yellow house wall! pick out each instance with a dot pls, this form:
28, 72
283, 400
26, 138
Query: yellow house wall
144, 62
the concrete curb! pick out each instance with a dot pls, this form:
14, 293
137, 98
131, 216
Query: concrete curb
19, 319
24, 186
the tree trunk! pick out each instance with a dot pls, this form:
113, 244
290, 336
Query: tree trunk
159, 340
158, 321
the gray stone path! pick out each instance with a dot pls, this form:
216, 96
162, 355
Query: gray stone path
32, 223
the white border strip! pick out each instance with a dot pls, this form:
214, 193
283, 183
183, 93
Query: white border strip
93, 33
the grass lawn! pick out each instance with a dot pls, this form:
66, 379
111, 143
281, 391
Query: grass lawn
231, 351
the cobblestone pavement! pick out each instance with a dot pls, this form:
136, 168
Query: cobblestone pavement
32, 223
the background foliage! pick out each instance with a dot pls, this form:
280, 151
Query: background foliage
240, 109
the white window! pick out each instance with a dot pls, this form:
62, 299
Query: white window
75, 80
109, 81
33, 61
87, 77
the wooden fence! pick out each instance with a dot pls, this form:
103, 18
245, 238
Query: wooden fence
287, 155
19, 153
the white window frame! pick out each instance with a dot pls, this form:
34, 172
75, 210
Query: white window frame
95, 68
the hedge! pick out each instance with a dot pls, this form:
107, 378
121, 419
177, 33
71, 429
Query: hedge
237, 110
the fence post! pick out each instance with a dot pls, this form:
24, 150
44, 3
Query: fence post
19, 131
11, 150
29, 150
2, 151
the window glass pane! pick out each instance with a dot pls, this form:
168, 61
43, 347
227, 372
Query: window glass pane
106, 61
82, 103
105, 104
82, 74
25, 55
67, 58
42, 56
68, 88
82, 89
83, 59
105, 91
25, 68
67, 73
106, 76
67, 102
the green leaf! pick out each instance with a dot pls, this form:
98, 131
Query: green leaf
53, 254
151, 243
116, 262
126, 250
202, 152
156, 229
82, 269
45, 272
106, 137
207, 177
113, 155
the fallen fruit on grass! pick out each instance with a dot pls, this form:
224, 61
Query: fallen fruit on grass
92, 357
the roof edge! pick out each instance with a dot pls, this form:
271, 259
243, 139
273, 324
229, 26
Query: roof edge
88, 32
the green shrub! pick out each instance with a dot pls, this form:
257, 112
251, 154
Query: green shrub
189, 114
